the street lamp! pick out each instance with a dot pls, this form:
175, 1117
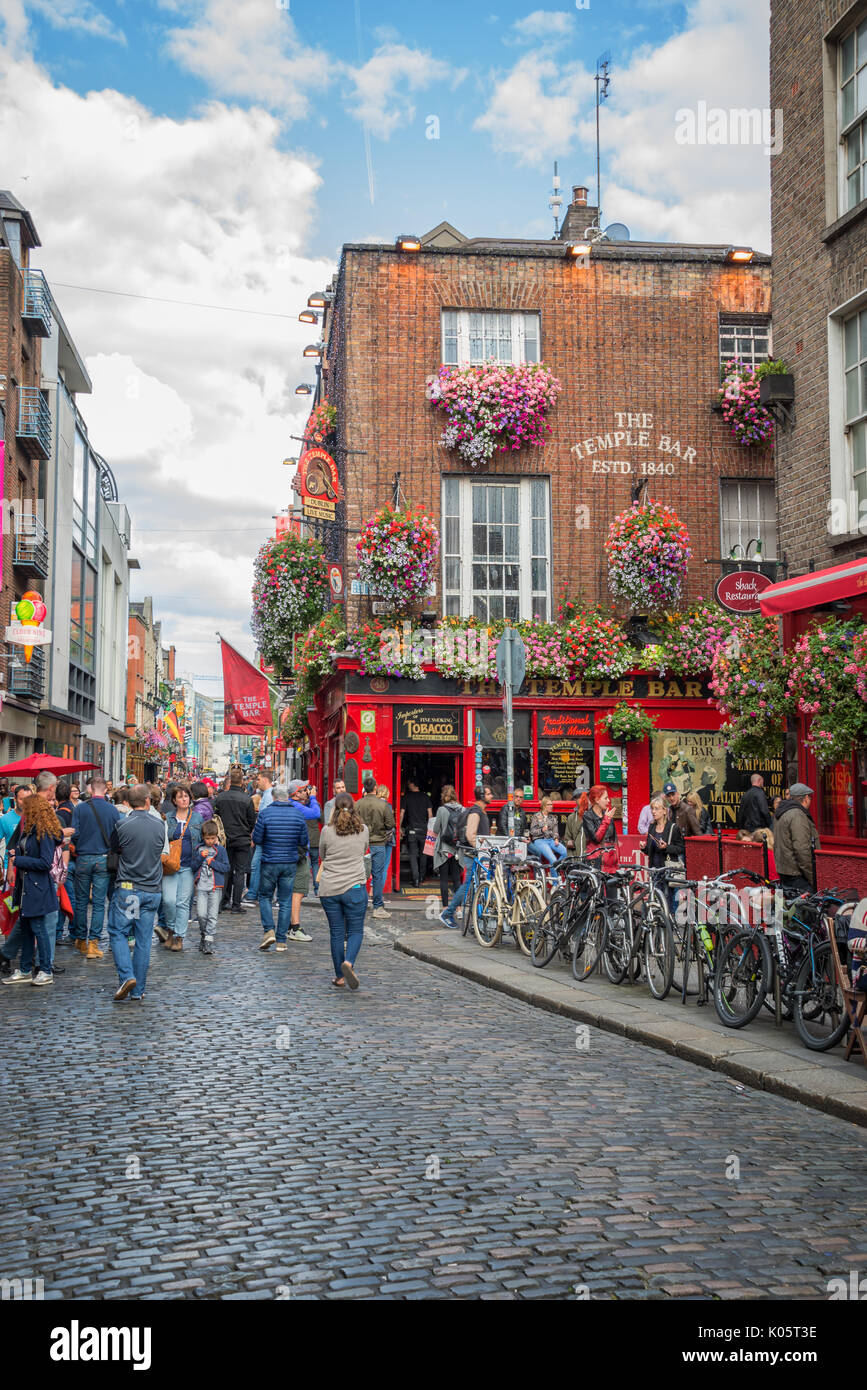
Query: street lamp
303, 390
320, 299
313, 350
308, 316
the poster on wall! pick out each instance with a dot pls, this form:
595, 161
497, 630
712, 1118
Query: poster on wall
697, 760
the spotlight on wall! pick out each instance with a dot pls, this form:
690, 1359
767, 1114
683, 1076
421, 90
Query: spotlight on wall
740, 255
579, 248
319, 299
304, 390
308, 316
313, 350
408, 243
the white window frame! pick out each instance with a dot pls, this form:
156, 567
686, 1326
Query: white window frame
460, 599
858, 119
845, 517
518, 335
738, 323
770, 544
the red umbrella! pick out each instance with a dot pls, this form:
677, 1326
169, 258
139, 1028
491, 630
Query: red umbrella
44, 762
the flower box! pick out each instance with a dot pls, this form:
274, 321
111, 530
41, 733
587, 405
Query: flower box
776, 389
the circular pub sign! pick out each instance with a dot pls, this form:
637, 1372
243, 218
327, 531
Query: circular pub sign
740, 592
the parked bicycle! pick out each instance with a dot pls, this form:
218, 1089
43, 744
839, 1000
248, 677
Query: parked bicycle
573, 921
638, 929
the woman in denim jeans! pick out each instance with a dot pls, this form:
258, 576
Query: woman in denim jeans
342, 886
40, 835
182, 823
545, 834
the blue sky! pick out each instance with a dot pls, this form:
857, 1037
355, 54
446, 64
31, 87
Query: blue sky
216, 151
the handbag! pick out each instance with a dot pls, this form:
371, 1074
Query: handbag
172, 860
8, 914
112, 859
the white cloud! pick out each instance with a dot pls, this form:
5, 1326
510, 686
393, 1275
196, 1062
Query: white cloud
383, 83
251, 51
193, 408
543, 26
80, 16
538, 111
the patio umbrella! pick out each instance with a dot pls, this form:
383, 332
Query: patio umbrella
44, 762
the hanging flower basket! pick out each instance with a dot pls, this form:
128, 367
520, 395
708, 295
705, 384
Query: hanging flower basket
749, 421
748, 681
321, 422
315, 653
397, 555
494, 407
628, 724
290, 593
826, 681
648, 550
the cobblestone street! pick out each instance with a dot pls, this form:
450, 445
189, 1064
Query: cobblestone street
249, 1132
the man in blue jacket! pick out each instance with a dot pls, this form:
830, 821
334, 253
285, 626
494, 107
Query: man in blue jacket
92, 823
281, 830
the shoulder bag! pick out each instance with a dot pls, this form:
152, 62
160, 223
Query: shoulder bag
111, 856
172, 860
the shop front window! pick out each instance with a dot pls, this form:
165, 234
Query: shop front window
566, 747
837, 801
861, 774
493, 733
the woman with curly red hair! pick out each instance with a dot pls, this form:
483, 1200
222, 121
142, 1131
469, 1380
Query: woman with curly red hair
600, 832
41, 834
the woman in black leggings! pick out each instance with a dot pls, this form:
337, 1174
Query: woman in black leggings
445, 858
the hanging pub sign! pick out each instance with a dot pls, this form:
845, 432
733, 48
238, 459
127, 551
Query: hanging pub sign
741, 592
319, 484
427, 724
336, 583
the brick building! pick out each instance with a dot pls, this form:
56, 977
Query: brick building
819, 221
25, 319
635, 334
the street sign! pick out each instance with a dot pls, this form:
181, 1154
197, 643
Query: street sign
511, 646
741, 592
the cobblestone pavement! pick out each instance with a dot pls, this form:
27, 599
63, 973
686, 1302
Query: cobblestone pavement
250, 1132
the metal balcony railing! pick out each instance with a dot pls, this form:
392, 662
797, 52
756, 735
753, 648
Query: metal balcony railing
26, 678
37, 303
32, 547
34, 422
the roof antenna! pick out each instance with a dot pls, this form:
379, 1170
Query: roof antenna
603, 86
555, 202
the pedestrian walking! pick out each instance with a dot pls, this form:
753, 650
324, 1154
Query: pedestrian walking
415, 812
92, 823
445, 860
338, 787
472, 822
343, 845
75, 793
139, 841
754, 813
39, 844
796, 839
545, 833
265, 783
238, 815
301, 793
211, 872
63, 809
202, 803
680, 811
379, 819
11, 819
281, 830
702, 812
184, 828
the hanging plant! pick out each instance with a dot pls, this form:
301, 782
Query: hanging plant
648, 550
596, 645
315, 653
321, 422
379, 650
397, 554
494, 407
860, 660
290, 593
628, 723
294, 720
690, 640
748, 681
824, 669
750, 423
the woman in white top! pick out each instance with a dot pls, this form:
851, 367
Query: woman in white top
343, 874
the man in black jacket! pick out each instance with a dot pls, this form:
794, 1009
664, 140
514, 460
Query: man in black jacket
238, 814
754, 812
522, 820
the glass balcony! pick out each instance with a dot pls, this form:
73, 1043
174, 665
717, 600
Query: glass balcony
34, 422
37, 303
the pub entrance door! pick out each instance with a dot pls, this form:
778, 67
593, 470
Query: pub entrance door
431, 771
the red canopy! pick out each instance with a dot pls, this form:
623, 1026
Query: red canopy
44, 762
822, 586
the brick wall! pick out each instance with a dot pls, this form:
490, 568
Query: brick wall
623, 334
814, 274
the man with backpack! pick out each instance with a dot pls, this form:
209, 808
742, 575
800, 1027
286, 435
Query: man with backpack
472, 823
93, 821
445, 859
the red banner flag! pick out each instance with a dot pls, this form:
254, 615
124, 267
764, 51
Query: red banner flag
247, 709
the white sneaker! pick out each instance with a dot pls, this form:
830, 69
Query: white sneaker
43, 977
19, 977
381, 912
298, 935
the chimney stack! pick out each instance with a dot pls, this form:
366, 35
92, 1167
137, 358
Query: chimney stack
580, 214
580, 194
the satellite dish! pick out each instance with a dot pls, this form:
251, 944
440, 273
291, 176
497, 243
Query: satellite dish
618, 231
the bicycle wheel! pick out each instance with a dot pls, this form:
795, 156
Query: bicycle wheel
530, 908
470, 902
616, 953
743, 977
658, 953
587, 944
547, 932
821, 1020
488, 916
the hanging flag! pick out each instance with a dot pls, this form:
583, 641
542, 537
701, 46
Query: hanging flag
246, 706
172, 725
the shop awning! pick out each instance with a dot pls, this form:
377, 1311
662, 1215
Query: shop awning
810, 590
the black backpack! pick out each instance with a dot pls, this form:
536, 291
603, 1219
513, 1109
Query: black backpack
455, 823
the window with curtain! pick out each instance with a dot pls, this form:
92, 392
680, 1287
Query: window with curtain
471, 336
852, 51
497, 547
748, 511
855, 366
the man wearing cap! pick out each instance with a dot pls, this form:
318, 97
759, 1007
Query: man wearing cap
795, 839
680, 811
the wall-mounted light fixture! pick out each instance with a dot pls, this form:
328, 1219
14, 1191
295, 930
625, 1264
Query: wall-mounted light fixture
408, 243
740, 255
